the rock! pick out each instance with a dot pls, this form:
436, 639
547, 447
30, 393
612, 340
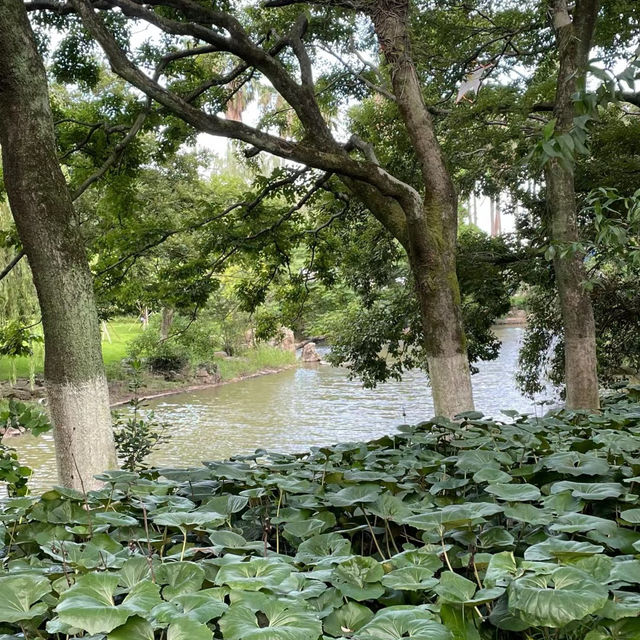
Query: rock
285, 340
205, 375
19, 394
514, 317
223, 355
309, 353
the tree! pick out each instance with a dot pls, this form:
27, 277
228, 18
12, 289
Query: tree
574, 33
425, 225
42, 207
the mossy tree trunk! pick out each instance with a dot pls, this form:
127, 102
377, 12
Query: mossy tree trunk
432, 227
43, 212
574, 33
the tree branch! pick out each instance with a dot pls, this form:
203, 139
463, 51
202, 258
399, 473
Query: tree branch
9, 268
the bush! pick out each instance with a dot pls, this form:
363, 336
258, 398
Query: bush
160, 356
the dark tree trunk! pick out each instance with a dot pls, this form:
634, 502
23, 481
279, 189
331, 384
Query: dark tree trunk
42, 208
573, 38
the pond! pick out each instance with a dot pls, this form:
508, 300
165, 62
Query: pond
295, 409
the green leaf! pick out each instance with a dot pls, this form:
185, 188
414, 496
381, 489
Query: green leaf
396, 623
557, 549
274, 621
359, 578
347, 619
253, 575
353, 495
89, 604
514, 492
187, 629
460, 621
556, 599
589, 491
115, 519
455, 588
632, 516
576, 464
528, 513
134, 629
327, 548
179, 578
186, 519
412, 578
20, 593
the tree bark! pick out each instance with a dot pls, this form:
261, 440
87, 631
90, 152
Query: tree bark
43, 212
167, 321
573, 40
431, 228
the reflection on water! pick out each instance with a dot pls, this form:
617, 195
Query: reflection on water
292, 410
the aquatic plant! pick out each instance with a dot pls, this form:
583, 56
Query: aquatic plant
521, 528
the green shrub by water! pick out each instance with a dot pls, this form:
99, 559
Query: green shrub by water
484, 530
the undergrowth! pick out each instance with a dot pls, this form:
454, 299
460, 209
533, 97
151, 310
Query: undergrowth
523, 528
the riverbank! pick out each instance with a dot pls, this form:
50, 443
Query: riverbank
198, 387
259, 361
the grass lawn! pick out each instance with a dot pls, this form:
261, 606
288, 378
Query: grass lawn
121, 331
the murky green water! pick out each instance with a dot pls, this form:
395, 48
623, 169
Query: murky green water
292, 410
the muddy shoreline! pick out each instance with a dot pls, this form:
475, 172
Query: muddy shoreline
121, 400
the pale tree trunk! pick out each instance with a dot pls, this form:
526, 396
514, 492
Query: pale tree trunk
431, 229
573, 39
475, 209
167, 321
43, 212
496, 223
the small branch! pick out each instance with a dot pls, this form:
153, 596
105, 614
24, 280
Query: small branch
295, 40
356, 142
9, 268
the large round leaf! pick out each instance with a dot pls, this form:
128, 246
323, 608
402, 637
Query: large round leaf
253, 575
275, 621
347, 619
89, 604
414, 623
18, 595
556, 599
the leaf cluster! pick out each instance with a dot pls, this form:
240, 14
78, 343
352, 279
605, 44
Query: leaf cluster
445, 530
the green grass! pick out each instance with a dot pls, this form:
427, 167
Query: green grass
121, 331
254, 360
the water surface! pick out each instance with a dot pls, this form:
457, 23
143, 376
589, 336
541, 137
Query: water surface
297, 408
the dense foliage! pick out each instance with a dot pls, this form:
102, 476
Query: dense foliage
523, 528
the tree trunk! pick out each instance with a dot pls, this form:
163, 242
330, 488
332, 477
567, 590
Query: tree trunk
439, 295
432, 229
167, 321
573, 38
42, 208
